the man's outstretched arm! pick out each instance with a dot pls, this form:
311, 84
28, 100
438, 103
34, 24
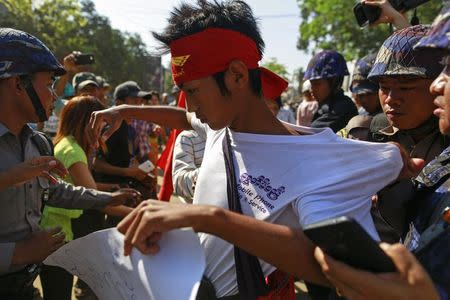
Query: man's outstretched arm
286, 248
173, 117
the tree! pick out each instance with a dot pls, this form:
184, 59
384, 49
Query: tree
273, 65
68, 25
330, 24
56, 22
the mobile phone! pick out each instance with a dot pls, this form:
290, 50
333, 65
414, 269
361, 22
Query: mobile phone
366, 14
345, 240
146, 166
84, 59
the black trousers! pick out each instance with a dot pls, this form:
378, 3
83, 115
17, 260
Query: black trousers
25, 294
56, 283
19, 285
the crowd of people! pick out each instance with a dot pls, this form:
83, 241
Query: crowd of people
79, 156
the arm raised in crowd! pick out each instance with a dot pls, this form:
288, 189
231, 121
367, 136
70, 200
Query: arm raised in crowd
71, 68
173, 117
388, 14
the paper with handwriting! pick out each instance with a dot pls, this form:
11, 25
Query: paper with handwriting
173, 273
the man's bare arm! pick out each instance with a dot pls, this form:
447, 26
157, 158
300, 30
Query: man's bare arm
173, 117
286, 248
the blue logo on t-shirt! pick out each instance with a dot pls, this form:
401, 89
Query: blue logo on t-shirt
263, 183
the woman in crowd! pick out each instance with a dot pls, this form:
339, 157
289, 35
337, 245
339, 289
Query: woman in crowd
73, 150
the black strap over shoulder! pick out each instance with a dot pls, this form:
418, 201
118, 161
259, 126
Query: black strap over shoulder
43, 143
250, 277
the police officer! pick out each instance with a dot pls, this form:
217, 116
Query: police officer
404, 75
425, 276
364, 90
326, 72
27, 70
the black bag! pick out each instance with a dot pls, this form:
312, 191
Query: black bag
43, 143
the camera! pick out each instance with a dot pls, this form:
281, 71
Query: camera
84, 59
367, 14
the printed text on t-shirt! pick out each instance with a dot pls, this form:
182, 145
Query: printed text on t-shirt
263, 183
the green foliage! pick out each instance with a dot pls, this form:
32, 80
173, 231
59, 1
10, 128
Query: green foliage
273, 65
168, 81
68, 25
330, 24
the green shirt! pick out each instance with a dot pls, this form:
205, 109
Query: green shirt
69, 153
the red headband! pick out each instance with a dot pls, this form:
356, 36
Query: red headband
211, 51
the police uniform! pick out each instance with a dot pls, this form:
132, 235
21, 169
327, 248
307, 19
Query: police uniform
360, 85
429, 229
337, 109
397, 57
22, 54
335, 112
390, 212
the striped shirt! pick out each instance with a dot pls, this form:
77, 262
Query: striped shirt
187, 159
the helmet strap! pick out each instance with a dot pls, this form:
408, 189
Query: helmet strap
35, 100
415, 19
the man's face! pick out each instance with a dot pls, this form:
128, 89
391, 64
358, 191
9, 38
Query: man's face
320, 89
203, 98
369, 101
90, 90
441, 89
134, 100
407, 102
43, 85
154, 100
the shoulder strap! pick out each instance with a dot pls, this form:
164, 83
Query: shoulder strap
249, 275
43, 143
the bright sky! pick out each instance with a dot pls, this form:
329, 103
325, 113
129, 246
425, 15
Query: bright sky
278, 24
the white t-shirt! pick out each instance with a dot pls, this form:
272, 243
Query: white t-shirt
291, 180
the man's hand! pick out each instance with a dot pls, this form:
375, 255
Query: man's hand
99, 119
129, 197
38, 246
410, 282
411, 166
388, 14
69, 62
39, 166
143, 227
136, 173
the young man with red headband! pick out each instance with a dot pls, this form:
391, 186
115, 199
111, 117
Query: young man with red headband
283, 174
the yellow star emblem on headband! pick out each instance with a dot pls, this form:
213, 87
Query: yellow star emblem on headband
179, 61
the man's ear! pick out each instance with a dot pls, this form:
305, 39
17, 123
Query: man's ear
14, 84
236, 76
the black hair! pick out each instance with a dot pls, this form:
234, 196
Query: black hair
154, 93
188, 19
278, 101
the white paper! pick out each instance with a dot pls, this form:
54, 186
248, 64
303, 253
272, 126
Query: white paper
173, 273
